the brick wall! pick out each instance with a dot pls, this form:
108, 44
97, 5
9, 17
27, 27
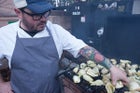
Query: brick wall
6, 8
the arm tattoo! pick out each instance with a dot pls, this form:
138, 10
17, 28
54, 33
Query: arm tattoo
106, 63
92, 54
88, 52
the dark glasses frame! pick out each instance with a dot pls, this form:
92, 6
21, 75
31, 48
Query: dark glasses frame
37, 16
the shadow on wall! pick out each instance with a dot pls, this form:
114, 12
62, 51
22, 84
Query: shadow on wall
61, 18
122, 38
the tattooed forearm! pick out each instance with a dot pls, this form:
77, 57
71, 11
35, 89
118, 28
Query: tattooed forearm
92, 54
106, 63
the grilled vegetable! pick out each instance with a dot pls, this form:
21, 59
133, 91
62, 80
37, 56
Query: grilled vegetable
76, 79
97, 83
87, 78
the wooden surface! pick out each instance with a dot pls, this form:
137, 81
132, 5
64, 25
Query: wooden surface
69, 86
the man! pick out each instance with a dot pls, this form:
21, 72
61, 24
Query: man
34, 45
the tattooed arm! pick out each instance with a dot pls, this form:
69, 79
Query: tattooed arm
116, 73
92, 54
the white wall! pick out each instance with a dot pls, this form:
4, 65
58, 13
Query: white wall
136, 7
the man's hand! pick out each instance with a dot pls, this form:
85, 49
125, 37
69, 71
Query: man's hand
5, 87
118, 74
3, 63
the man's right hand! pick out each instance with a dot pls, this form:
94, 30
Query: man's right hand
3, 63
5, 87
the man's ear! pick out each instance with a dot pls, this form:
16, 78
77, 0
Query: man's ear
18, 12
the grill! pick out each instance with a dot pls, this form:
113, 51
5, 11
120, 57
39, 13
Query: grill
68, 85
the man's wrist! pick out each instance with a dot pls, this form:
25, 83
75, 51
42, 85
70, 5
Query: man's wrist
106, 63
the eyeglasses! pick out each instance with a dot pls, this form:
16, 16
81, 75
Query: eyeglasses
37, 16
